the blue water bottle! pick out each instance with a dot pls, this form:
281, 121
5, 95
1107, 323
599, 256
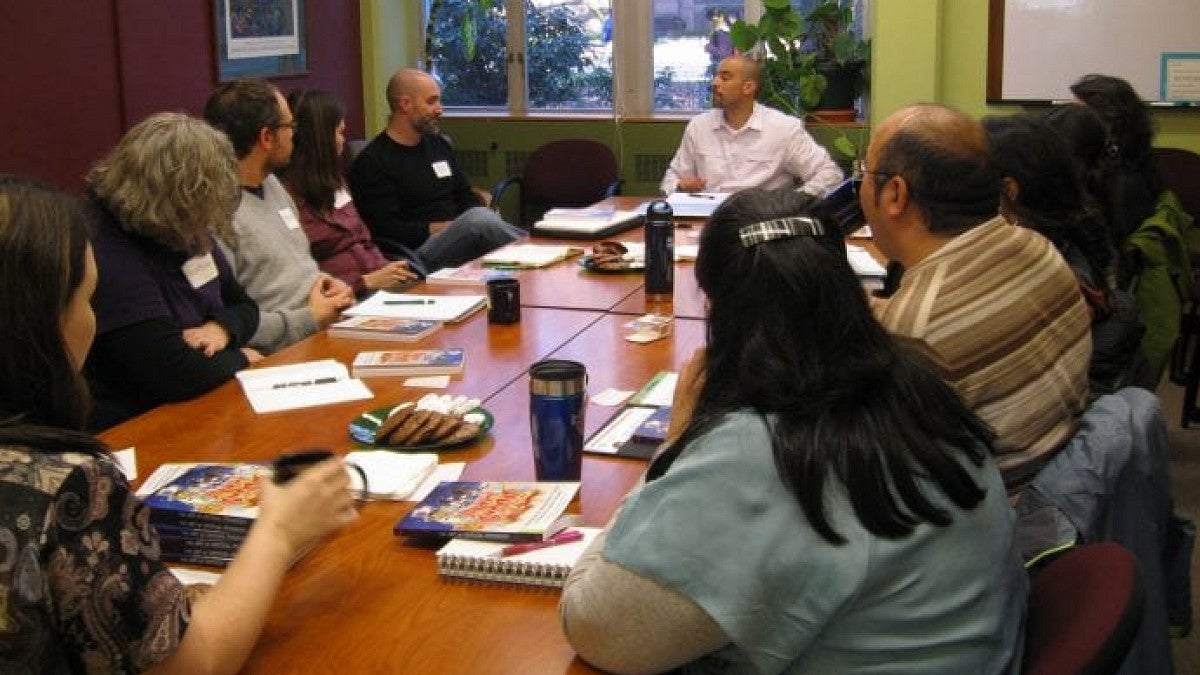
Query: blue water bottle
660, 250
557, 400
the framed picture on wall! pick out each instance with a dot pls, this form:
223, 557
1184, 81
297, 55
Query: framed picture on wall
260, 38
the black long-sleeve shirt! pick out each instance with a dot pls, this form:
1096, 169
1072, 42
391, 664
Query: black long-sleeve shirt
400, 189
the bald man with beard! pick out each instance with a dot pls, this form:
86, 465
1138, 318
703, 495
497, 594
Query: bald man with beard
993, 305
411, 191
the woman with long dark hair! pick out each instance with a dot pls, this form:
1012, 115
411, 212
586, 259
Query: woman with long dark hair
83, 588
826, 503
339, 239
1044, 191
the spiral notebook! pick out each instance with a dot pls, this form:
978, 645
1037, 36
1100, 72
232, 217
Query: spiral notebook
479, 560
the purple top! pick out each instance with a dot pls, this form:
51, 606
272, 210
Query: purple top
341, 243
141, 279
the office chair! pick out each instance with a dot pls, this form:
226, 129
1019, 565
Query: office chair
568, 172
1085, 608
1180, 171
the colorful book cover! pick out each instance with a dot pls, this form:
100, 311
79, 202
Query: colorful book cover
383, 328
466, 276
409, 362
493, 510
208, 493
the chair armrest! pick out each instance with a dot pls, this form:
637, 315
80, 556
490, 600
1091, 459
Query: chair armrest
501, 188
614, 188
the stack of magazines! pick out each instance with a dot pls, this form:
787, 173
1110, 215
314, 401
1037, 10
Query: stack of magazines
202, 512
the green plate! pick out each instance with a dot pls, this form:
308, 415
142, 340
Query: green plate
362, 429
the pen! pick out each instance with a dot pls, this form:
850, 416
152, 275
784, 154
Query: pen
408, 302
700, 196
564, 537
305, 383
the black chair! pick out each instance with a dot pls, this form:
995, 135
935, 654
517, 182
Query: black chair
570, 172
1180, 171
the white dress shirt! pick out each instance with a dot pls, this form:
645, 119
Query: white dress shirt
771, 150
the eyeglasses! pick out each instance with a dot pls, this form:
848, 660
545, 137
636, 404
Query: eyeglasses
860, 172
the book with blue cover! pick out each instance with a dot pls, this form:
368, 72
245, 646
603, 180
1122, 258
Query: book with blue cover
383, 328
492, 510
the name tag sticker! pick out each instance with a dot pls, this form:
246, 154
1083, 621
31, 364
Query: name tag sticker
341, 198
200, 270
289, 219
441, 169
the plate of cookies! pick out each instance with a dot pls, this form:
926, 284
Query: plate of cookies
615, 256
435, 422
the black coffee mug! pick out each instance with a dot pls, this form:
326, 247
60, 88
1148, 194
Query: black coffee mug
504, 300
289, 465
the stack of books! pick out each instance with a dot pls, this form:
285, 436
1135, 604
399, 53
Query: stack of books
202, 512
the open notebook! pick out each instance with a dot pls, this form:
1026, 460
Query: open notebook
479, 560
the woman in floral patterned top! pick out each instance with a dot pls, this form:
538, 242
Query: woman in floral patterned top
82, 584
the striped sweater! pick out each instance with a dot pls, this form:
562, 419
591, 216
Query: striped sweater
1000, 314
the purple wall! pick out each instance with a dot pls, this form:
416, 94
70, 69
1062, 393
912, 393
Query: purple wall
78, 74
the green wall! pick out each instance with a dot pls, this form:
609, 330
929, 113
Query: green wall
924, 50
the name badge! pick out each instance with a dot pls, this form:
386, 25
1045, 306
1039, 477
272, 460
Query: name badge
341, 198
441, 169
200, 270
289, 219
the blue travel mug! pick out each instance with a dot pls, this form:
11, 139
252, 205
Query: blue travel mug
557, 400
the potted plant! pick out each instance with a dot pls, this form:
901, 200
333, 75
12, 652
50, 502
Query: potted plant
841, 57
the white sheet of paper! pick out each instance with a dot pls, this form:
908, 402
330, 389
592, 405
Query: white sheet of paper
300, 385
191, 577
450, 471
612, 397
430, 382
127, 462
432, 307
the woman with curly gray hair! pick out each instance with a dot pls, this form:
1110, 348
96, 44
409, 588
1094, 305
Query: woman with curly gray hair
172, 320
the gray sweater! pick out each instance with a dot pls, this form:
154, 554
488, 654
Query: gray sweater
271, 260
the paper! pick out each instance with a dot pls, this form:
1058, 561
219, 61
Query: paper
659, 391
583, 220
412, 306
692, 204
300, 385
442, 473
391, 475
190, 577
430, 382
862, 263
529, 255
618, 431
611, 397
127, 462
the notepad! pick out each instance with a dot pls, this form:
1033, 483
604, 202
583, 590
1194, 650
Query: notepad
586, 223
479, 560
692, 204
448, 308
529, 255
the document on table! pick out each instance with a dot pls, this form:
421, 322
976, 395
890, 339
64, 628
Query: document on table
448, 308
692, 204
301, 385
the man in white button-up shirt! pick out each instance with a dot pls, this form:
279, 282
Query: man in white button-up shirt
741, 143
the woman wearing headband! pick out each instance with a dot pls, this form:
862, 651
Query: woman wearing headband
825, 503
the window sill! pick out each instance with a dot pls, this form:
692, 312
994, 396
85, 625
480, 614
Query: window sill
598, 116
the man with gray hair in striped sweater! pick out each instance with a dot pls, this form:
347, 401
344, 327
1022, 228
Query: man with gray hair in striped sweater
993, 305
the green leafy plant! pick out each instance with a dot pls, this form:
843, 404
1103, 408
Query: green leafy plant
830, 29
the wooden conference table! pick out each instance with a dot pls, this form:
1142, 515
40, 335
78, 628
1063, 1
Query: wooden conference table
366, 601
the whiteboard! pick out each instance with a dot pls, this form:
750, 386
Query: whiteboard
1049, 44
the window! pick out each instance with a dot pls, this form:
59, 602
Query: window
542, 55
